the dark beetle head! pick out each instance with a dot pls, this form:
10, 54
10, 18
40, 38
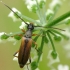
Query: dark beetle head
30, 26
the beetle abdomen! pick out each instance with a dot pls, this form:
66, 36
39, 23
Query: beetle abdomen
24, 51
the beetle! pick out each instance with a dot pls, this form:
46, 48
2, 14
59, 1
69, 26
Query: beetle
26, 42
25, 47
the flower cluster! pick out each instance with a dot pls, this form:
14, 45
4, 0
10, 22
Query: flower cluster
61, 67
32, 5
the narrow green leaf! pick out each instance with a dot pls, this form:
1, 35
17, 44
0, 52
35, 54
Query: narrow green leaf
4, 36
17, 37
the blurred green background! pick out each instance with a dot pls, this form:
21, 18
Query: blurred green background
7, 25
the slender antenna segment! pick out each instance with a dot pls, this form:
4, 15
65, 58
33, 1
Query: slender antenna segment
13, 12
57, 28
50, 27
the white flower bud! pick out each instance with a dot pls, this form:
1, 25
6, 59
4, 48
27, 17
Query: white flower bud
37, 69
54, 3
2, 33
22, 26
63, 67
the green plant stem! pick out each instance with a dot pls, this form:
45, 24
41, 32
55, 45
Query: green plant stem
51, 40
41, 48
39, 12
52, 33
57, 20
44, 12
64, 36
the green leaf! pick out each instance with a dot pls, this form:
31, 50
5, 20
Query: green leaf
17, 37
4, 36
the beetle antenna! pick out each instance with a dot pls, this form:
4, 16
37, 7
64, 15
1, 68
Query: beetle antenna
57, 28
50, 27
13, 11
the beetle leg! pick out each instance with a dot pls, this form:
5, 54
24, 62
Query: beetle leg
36, 45
37, 34
16, 54
29, 61
23, 30
17, 35
34, 34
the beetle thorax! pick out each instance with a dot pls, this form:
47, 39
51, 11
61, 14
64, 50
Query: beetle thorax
28, 34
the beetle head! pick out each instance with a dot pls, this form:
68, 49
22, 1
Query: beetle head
30, 26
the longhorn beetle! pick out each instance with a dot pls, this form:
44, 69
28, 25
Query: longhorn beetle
26, 42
